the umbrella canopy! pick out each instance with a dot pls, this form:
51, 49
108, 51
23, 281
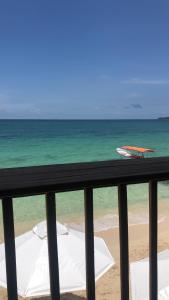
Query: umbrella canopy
140, 277
32, 261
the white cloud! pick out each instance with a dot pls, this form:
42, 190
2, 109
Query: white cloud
145, 81
133, 96
105, 76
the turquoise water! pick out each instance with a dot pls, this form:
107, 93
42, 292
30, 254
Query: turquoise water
25, 143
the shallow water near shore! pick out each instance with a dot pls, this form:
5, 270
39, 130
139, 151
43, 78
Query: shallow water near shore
29, 211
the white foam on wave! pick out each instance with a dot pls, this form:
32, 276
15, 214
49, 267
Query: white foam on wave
111, 221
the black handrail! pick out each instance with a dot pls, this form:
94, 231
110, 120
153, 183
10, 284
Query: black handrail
17, 182
53, 179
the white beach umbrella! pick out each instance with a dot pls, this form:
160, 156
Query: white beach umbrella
32, 261
140, 277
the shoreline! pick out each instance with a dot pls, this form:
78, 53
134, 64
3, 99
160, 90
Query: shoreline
102, 223
138, 214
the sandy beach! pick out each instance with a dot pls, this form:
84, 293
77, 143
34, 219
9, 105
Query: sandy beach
108, 287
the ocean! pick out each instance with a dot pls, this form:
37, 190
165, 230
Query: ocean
43, 142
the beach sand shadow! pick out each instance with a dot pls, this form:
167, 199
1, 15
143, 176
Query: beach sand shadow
72, 297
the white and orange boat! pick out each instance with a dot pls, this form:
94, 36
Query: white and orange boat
133, 151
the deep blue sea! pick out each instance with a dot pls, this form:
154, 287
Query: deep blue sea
39, 142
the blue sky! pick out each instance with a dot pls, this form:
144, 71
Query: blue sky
84, 59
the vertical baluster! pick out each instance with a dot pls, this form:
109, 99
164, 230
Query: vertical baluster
9, 238
153, 234
89, 236
52, 246
123, 231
